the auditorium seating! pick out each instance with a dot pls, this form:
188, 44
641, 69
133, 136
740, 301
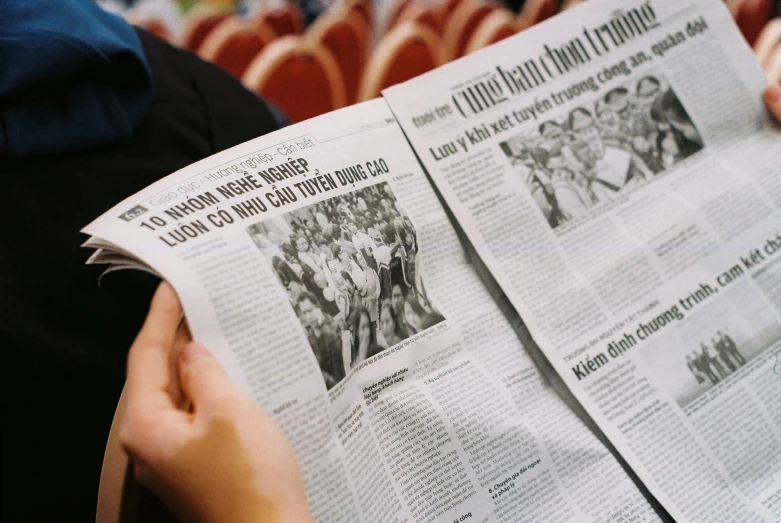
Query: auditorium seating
284, 18
350, 58
496, 26
234, 43
536, 11
393, 12
408, 50
298, 75
462, 23
197, 24
751, 16
421, 13
344, 34
362, 7
446, 8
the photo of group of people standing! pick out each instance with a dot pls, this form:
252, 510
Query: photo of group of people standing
715, 362
618, 141
349, 267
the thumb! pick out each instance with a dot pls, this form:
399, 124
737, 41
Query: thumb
202, 377
773, 101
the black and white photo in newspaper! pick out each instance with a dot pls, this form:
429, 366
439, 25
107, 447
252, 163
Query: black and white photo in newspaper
601, 147
616, 172
348, 265
297, 257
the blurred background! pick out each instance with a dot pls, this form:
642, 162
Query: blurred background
308, 57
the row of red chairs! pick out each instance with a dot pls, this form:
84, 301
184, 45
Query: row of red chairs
330, 66
332, 63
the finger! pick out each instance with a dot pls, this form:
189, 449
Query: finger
203, 380
773, 67
148, 371
773, 100
174, 388
769, 39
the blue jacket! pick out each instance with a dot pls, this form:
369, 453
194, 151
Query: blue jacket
72, 77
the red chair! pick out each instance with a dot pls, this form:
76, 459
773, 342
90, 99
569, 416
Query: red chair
446, 8
569, 4
422, 14
344, 34
495, 27
197, 24
156, 27
750, 16
297, 75
362, 7
462, 24
393, 12
535, 11
283, 19
407, 51
234, 43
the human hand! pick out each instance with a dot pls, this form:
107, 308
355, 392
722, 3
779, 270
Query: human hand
773, 101
223, 459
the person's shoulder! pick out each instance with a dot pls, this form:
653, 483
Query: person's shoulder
234, 113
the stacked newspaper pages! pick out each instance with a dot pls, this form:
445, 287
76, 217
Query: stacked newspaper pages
609, 176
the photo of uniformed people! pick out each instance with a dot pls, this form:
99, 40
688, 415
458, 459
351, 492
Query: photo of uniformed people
349, 266
621, 140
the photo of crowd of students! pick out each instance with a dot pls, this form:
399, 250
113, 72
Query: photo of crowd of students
349, 267
621, 140
713, 363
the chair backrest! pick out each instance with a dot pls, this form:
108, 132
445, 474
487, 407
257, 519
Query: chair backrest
197, 24
284, 19
393, 12
155, 26
422, 14
446, 8
234, 43
751, 16
462, 24
408, 50
569, 4
300, 76
535, 11
344, 34
362, 7
496, 26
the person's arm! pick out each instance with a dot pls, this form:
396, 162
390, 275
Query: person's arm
223, 458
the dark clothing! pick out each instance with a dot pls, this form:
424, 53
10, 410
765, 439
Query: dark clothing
328, 350
65, 338
429, 320
71, 72
732, 349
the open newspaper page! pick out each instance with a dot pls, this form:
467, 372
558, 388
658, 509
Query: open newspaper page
615, 170
319, 266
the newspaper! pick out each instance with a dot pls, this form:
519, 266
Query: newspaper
319, 266
615, 171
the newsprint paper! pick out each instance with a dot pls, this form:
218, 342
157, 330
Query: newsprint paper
613, 169
617, 174
406, 394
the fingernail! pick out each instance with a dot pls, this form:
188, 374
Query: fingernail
193, 350
773, 94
